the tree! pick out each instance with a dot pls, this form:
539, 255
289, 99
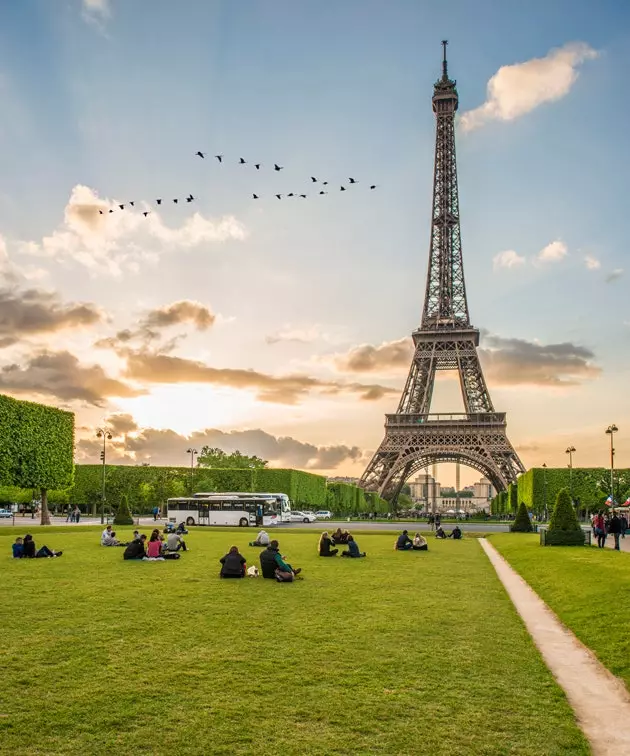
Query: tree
215, 457
522, 523
123, 513
564, 528
36, 448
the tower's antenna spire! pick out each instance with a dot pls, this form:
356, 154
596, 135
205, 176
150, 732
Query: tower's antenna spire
444, 63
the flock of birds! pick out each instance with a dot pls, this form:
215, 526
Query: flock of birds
241, 161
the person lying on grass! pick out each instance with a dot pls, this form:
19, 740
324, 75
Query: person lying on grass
420, 543
325, 546
262, 539
272, 565
404, 543
456, 533
353, 549
30, 552
233, 564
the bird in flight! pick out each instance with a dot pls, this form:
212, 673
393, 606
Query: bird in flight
200, 154
303, 196
122, 207
100, 212
279, 196
324, 183
158, 201
132, 204
342, 188
277, 167
353, 181
219, 158
145, 213
241, 161
190, 198
111, 211
254, 196
291, 195
313, 179
323, 192
373, 186
175, 201
257, 166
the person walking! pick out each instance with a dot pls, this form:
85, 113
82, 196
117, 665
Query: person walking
614, 527
156, 512
600, 529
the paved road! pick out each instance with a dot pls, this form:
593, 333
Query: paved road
26, 523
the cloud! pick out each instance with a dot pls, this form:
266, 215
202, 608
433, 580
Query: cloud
366, 358
184, 311
508, 259
96, 10
153, 367
519, 88
164, 447
553, 252
592, 263
516, 362
117, 242
120, 424
299, 335
32, 311
60, 374
614, 275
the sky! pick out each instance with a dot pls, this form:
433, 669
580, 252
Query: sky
281, 327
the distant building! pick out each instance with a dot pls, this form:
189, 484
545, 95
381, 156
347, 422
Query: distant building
474, 498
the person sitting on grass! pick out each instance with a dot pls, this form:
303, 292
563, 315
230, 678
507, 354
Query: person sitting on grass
233, 564
404, 543
108, 538
154, 547
337, 536
272, 565
456, 533
353, 549
136, 536
420, 543
18, 548
30, 552
325, 546
174, 542
262, 539
136, 549
439, 533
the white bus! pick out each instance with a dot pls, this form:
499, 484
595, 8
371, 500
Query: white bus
279, 501
240, 510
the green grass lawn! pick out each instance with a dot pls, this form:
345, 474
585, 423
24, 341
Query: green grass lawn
394, 654
587, 588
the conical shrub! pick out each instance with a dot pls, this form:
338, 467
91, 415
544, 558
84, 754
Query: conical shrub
564, 528
123, 513
522, 523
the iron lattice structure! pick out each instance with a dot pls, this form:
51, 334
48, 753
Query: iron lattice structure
415, 438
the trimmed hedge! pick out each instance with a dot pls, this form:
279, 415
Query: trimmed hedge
36, 447
123, 513
564, 528
522, 523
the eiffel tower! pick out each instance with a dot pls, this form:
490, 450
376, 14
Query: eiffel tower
415, 438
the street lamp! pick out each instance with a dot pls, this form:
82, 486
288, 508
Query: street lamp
192, 453
570, 450
106, 436
545, 490
611, 430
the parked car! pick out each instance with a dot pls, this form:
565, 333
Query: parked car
297, 516
324, 514
5, 513
309, 512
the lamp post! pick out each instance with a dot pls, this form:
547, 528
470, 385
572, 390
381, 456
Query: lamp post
106, 436
192, 453
545, 490
570, 450
611, 430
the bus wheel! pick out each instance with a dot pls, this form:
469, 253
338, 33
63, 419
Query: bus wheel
190, 521
243, 523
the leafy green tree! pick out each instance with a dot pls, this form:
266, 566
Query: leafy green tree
123, 513
564, 528
215, 457
522, 522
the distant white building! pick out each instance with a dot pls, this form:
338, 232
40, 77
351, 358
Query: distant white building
435, 501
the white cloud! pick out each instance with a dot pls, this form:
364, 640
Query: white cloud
592, 263
614, 275
96, 9
553, 252
303, 335
508, 259
112, 242
517, 89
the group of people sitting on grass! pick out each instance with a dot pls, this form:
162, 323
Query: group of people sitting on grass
157, 549
24, 548
273, 565
419, 542
327, 542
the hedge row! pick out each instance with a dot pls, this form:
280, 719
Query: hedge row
146, 487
